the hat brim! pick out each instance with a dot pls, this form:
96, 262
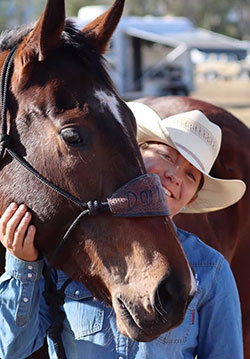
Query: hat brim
215, 193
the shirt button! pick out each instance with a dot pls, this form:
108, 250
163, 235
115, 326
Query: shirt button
30, 267
29, 275
25, 299
77, 292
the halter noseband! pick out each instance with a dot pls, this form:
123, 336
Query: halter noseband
142, 196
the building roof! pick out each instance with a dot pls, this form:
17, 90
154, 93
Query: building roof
170, 31
173, 31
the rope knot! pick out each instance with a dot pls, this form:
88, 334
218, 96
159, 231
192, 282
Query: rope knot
93, 207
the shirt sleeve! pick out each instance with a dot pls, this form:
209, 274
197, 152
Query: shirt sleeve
220, 334
24, 315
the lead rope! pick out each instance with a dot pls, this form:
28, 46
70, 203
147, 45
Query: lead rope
54, 298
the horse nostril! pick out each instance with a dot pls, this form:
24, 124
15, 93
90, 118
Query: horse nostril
163, 297
169, 295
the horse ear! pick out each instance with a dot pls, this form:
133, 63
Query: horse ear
46, 33
101, 29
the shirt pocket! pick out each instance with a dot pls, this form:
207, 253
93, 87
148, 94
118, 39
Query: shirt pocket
180, 334
84, 316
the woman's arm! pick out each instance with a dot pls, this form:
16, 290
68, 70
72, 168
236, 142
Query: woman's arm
24, 315
220, 334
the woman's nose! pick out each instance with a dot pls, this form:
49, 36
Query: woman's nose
174, 175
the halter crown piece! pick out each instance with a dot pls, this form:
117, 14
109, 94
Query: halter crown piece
142, 196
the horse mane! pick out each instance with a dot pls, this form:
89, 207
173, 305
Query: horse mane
72, 40
11, 38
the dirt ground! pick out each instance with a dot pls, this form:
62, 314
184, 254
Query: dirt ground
234, 95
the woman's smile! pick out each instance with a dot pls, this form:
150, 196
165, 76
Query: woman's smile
179, 178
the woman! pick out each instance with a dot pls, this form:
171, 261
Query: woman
181, 150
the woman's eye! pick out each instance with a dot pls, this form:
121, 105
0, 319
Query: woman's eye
166, 156
71, 136
192, 176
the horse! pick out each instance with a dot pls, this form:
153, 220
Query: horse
69, 152
226, 230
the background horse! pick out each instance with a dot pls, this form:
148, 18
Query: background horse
66, 119
227, 230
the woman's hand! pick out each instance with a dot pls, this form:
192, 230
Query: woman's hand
16, 235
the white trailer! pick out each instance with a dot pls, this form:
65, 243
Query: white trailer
152, 55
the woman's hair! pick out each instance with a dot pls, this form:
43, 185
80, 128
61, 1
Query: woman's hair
201, 183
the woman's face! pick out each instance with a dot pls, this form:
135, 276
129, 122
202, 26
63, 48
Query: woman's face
179, 178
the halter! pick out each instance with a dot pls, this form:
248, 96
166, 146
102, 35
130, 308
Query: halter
142, 196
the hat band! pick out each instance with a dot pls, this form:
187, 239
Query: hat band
197, 129
192, 155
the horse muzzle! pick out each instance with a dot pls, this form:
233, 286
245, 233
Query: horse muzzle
147, 318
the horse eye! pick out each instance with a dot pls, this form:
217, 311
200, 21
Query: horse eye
71, 136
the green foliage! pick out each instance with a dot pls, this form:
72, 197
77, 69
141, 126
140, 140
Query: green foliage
146, 7
72, 6
228, 17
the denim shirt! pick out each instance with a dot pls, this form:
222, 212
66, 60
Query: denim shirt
211, 328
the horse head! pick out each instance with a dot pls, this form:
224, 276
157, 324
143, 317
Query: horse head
68, 122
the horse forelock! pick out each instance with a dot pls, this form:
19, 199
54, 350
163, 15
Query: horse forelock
72, 39
12, 37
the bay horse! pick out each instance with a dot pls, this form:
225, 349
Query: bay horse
226, 230
66, 120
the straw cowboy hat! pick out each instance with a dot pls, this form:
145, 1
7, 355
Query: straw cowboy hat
198, 140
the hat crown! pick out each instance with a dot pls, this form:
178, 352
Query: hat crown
196, 136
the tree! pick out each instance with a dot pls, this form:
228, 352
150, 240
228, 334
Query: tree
230, 17
72, 6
